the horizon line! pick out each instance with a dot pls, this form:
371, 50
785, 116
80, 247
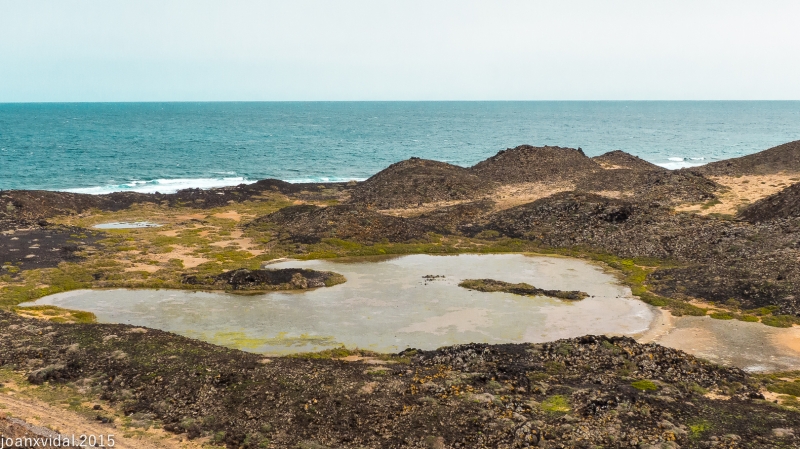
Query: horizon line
392, 101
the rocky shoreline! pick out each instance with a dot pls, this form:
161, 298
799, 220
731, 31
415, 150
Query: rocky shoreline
656, 227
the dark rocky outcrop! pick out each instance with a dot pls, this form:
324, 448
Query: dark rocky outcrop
415, 181
278, 279
619, 159
784, 204
783, 158
43, 247
311, 224
523, 289
664, 186
449, 220
527, 163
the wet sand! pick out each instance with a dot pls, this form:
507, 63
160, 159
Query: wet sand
753, 347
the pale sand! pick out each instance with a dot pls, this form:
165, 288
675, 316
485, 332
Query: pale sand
753, 347
143, 267
789, 338
33, 411
742, 191
191, 217
505, 197
230, 215
180, 252
243, 243
512, 195
662, 324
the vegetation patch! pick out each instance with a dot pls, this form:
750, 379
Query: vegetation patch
556, 404
491, 285
644, 385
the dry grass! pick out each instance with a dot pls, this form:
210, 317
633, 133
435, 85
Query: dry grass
741, 191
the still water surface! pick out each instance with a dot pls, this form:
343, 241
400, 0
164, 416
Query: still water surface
386, 305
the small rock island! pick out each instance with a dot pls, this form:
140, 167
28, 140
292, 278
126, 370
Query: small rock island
491, 285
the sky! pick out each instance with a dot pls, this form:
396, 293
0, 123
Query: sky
326, 50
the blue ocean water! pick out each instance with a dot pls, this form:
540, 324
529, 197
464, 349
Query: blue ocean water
103, 147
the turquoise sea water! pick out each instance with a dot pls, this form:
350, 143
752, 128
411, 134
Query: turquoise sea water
104, 147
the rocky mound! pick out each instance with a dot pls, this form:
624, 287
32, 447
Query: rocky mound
527, 163
416, 181
448, 220
664, 186
561, 210
279, 279
582, 392
523, 289
783, 158
619, 159
311, 224
784, 204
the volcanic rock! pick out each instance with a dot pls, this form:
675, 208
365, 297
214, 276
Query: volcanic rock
619, 159
527, 163
416, 181
784, 204
311, 224
278, 279
782, 158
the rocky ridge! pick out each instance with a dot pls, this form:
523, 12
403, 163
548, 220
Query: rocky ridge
416, 181
782, 158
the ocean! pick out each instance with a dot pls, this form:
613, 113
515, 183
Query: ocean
149, 147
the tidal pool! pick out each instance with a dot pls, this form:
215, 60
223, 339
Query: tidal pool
127, 225
386, 305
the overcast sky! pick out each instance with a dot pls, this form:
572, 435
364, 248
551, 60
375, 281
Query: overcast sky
67, 50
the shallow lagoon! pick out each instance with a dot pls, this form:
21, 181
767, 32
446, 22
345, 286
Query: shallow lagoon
386, 305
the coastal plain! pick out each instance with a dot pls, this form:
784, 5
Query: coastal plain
716, 248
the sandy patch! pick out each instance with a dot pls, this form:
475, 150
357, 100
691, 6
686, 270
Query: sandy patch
244, 243
662, 324
418, 210
142, 267
68, 422
789, 338
505, 197
512, 195
180, 252
230, 215
742, 191
695, 340
608, 166
173, 233
617, 194
191, 217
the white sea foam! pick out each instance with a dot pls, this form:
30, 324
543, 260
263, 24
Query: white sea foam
677, 165
162, 185
682, 162
323, 179
173, 185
